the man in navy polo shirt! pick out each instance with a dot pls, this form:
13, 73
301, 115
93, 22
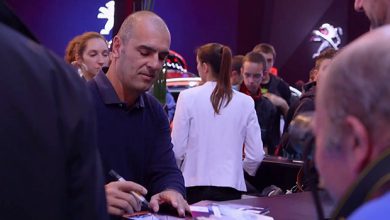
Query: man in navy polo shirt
133, 130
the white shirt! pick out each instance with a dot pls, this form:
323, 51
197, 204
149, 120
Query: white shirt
208, 146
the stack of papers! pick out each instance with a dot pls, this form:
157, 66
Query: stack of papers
229, 211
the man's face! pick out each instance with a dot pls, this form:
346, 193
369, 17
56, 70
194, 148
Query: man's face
252, 74
330, 159
269, 57
376, 11
235, 77
141, 58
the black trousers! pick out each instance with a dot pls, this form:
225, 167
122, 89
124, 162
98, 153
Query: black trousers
214, 193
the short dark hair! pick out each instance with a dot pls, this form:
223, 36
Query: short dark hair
255, 57
237, 62
265, 48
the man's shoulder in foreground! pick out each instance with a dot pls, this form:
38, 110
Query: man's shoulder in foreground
375, 209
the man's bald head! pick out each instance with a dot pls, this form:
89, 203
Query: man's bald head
141, 19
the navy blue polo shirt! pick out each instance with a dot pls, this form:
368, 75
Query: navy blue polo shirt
135, 141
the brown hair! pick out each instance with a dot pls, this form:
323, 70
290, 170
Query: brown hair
82, 41
265, 48
219, 57
255, 57
237, 63
328, 53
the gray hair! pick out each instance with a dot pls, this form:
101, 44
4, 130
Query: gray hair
357, 84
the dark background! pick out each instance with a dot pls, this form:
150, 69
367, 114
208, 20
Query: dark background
240, 24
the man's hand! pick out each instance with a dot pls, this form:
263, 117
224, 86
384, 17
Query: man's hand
119, 199
171, 197
279, 102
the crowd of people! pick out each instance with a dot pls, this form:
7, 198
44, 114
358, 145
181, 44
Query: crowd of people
63, 133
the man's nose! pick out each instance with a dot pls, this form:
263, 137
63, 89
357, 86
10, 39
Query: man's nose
358, 5
251, 80
155, 62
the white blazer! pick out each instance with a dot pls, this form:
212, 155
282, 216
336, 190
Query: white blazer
208, 147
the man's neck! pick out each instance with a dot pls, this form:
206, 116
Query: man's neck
126, 96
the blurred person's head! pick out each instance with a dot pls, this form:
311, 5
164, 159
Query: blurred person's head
378, 11
236, 77
353, 115
322, 63
91, 54
253, 68
214, 64
269, 54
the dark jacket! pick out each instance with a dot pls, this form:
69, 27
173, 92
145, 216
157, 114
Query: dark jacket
49, 166
135, 141
266, 115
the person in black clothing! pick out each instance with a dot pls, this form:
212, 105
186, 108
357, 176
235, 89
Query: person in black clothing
133, 130
252, 70
306, 101
271, 83
274, 88
49, 163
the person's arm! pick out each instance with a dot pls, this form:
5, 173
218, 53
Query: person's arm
180, 130
165, 178
278, 101
254, 152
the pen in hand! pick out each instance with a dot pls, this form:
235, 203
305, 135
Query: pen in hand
144, 202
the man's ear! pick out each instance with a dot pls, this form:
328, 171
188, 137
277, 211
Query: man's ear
359, 148
116, 45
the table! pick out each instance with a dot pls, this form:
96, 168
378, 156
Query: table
296, 206
278, 171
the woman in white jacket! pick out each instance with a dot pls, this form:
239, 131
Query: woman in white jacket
211, 126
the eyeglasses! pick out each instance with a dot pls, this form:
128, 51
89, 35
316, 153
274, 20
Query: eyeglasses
254, 75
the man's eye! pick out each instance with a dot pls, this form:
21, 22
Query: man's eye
144, 53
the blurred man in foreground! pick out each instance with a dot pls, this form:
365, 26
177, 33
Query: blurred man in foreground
351, 126
49, 166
